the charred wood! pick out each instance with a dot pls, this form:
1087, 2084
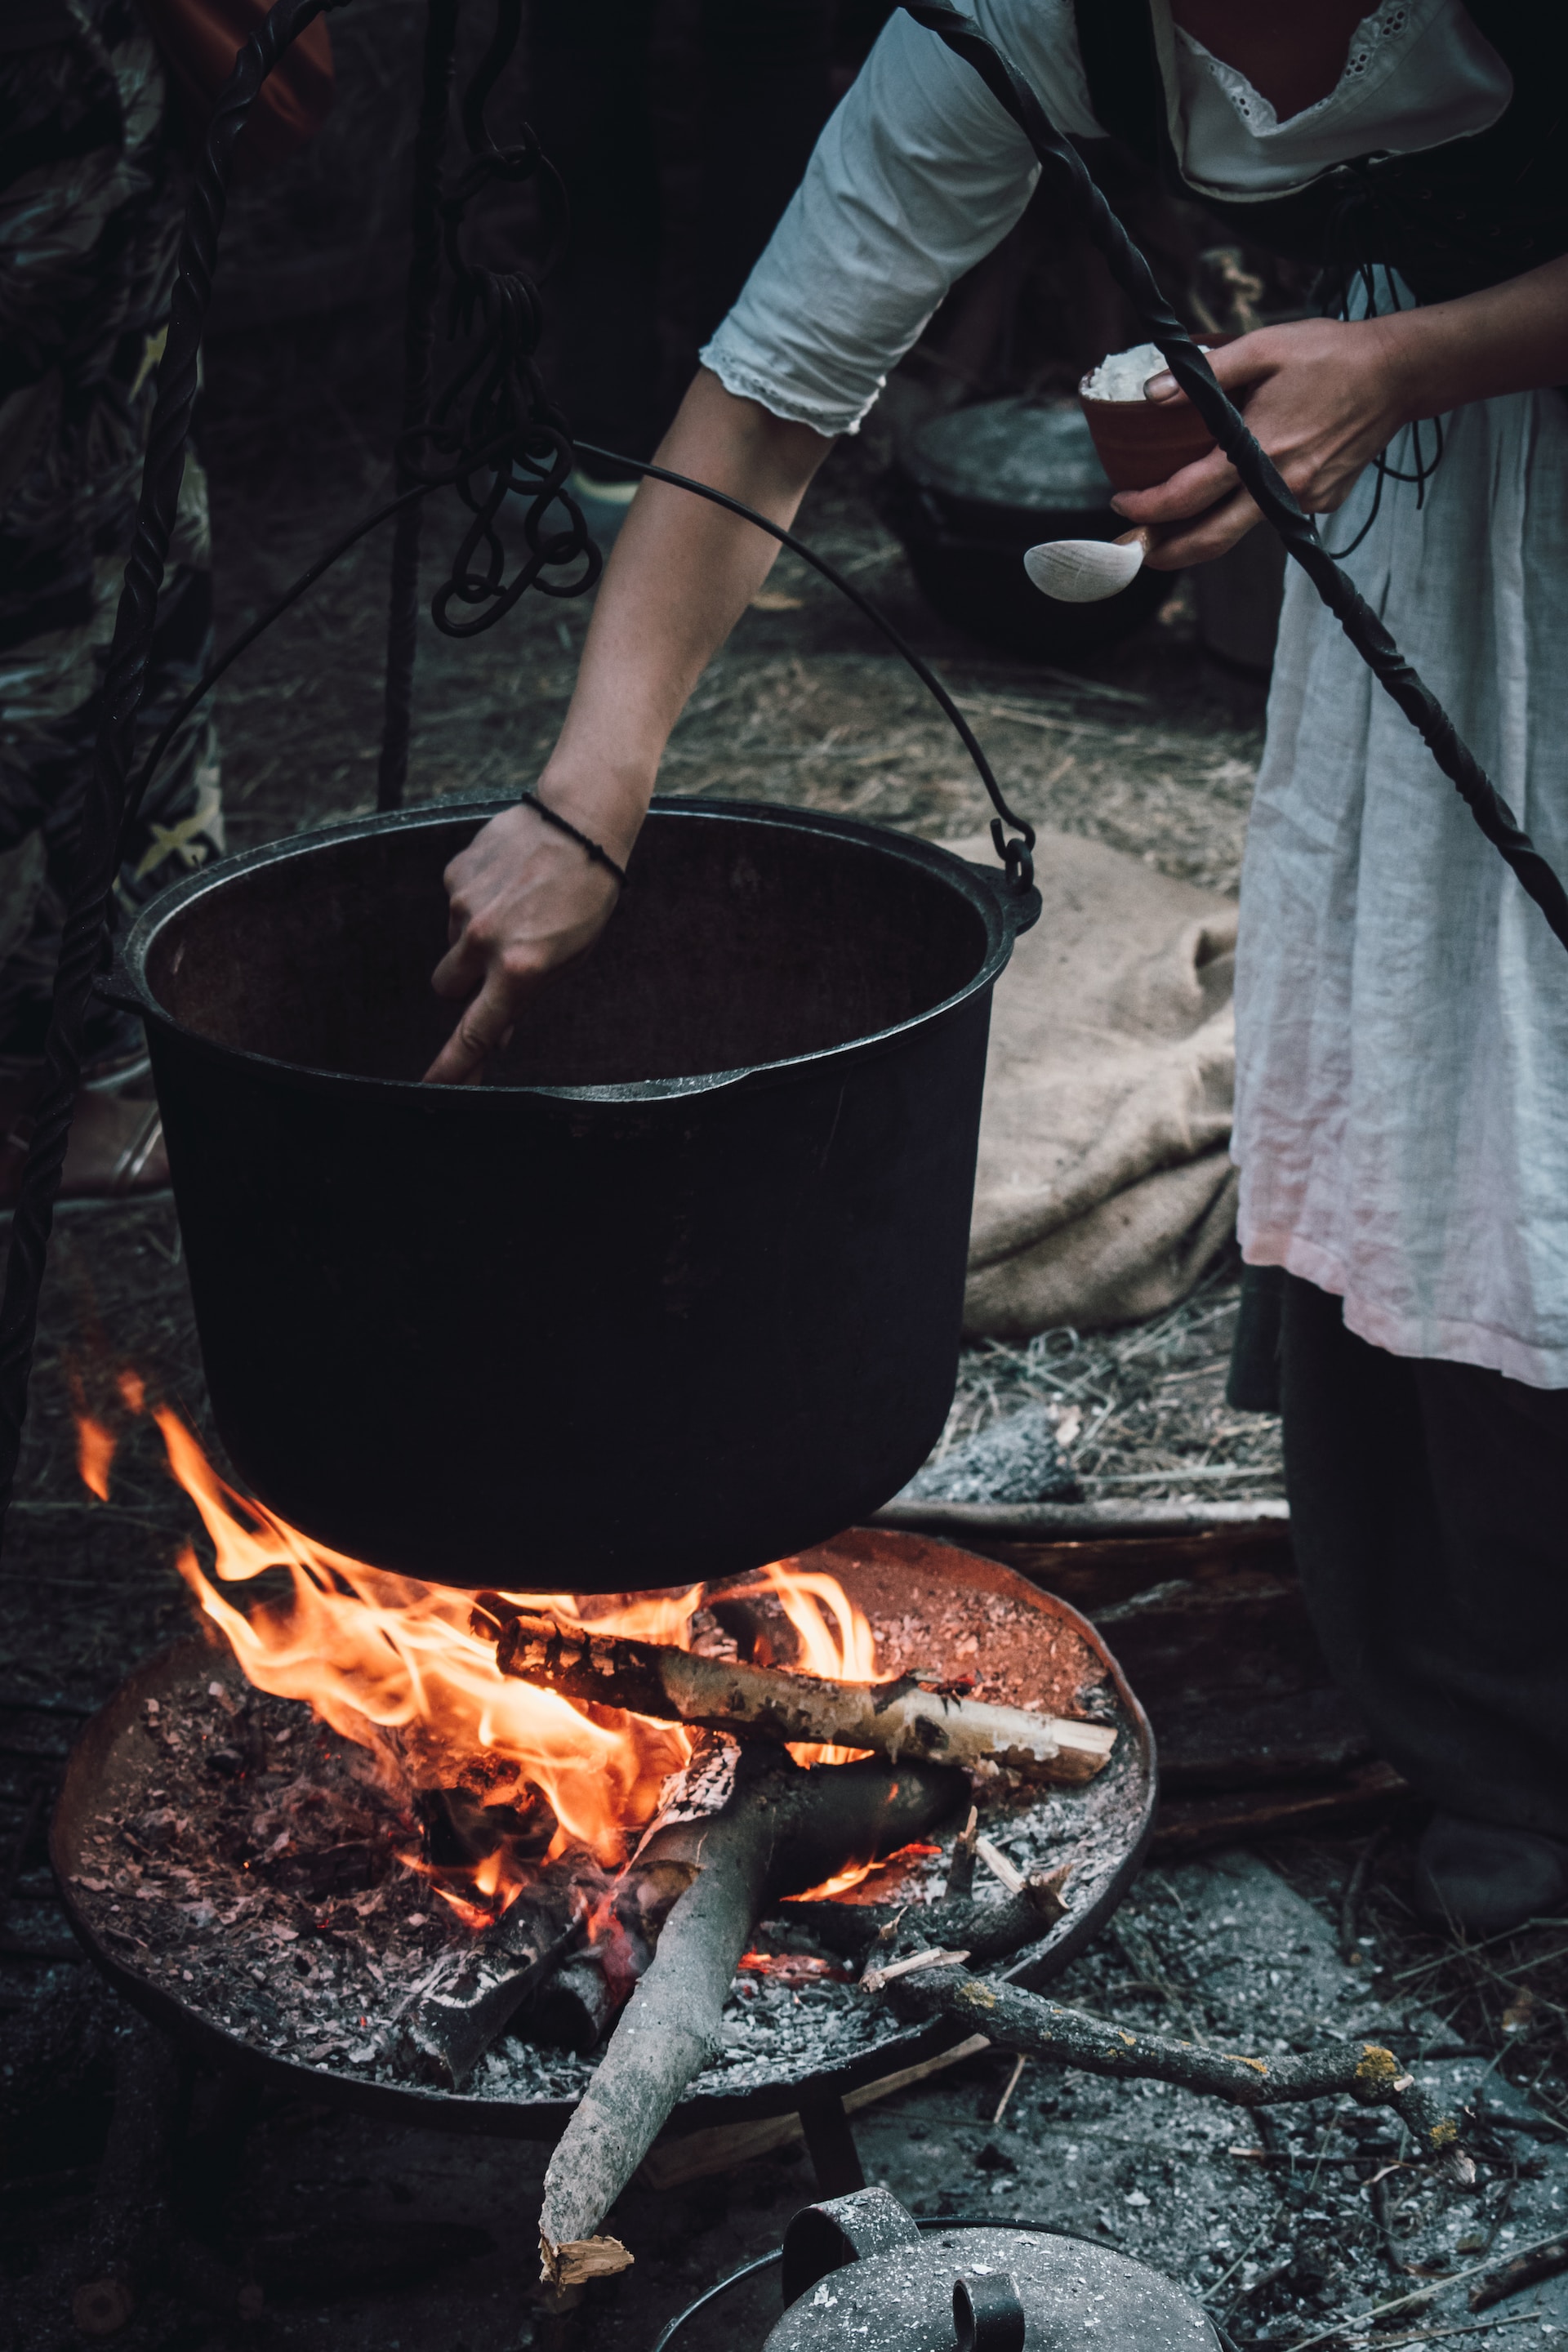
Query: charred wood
1527, 2269
781, 1830
575, 2008
895, 1719
960, 1869
987, 1931
456, 2018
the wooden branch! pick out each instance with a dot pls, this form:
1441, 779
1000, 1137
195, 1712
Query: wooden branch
781, 1830
895, 1719
1015, 2020
1528, 2268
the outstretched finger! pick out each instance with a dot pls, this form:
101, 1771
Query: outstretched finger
461, 969
484, 1028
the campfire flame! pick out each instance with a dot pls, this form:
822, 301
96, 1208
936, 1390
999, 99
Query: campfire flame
395, 1666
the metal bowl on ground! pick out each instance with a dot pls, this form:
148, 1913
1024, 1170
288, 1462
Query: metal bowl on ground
971, 491
677, 1291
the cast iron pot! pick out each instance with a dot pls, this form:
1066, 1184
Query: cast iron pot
678, 1292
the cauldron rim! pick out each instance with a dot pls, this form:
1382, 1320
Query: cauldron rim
1003, 916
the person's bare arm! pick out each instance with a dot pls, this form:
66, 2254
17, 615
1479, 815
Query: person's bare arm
524, 899
1323, 395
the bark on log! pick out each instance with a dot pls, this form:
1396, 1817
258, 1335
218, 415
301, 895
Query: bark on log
1015, 2020
781, 1830
456, 2018
895, 1719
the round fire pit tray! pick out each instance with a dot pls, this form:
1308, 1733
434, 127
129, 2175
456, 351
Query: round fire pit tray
948, 1608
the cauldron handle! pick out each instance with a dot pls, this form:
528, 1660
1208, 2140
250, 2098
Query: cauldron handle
1020, 909
118, 987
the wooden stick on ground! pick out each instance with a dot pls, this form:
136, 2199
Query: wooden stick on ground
1015, 2020
781, 1829
894, 1719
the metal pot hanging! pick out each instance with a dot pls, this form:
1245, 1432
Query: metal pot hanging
676, 1291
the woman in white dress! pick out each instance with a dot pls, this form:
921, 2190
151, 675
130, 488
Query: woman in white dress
1401, 1124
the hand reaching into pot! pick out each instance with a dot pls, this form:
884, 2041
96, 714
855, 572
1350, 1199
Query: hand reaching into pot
1324, 395
526, 900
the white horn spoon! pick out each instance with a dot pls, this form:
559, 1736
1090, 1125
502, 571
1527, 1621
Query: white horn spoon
1086, 570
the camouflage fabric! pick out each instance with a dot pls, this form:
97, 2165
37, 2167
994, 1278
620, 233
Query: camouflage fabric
92, 190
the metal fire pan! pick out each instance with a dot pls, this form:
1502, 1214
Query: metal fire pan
105, 1770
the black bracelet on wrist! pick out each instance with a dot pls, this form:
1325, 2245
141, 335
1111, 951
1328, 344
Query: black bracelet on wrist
596, 855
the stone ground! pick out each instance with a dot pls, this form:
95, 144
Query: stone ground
1295, 2229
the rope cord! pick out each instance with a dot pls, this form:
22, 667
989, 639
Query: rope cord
1013, 853
1255, 468
595, 854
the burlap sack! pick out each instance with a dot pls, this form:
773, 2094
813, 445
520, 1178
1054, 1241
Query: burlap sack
1105, 1191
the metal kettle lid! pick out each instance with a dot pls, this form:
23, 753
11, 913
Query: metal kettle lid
859, 2275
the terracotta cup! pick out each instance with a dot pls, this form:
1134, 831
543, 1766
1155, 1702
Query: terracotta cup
1142, 442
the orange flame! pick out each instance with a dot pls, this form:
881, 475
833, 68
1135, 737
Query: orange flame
847, 1655
395, 1666
94, 1453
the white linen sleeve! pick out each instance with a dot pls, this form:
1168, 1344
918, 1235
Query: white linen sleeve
916, 176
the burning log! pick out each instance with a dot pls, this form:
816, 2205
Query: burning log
456, 2018
781, 1830
987, 1931
896, 1720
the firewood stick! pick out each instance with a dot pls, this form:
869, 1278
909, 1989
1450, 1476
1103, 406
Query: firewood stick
1530, 2267
781, 1829
456, 2018
894, 1719
987, 1931
961, 1868
1011, 2018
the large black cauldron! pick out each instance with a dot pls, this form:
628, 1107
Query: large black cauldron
677, 1291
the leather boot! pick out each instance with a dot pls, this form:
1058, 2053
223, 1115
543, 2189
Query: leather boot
1480, 1879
